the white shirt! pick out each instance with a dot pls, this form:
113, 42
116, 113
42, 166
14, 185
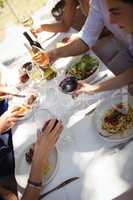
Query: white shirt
98, 18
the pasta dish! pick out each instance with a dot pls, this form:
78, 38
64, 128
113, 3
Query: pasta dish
116, 120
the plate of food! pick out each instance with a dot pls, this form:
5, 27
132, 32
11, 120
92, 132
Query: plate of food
23, 166
114, 119
85, 69
25, 106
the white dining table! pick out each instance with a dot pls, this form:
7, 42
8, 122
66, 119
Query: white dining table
104, 173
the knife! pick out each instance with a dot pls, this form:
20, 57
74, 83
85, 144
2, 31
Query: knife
66, 182
122, 145
49, 37
16, 95
98, 80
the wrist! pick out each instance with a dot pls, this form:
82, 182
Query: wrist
42, 27
96, 88
37, 170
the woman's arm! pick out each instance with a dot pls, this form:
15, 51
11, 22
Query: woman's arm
6, 194
67, 19
44, 145
124, 78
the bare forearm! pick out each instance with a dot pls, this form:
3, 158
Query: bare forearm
126, 196
7, 194
2, 191
124, 78
76, 47
36, 175
56, 27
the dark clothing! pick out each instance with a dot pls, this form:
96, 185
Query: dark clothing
7, 163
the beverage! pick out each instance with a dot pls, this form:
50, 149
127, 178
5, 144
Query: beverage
31, 41
36, 75
27, 22
44, 59
34, 72
48, 72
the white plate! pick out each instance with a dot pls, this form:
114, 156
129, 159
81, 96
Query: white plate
19, 101
22, 168
99, 115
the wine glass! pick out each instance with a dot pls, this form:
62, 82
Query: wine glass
27, 21
34, 72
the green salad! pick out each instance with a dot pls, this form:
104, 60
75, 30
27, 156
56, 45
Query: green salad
84, 68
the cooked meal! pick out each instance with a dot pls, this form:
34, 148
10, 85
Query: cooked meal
31, 99
29, 156
116, 120
22, 110
84, 68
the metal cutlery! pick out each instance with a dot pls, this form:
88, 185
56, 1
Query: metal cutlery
66, 182
16, 95
49, 37
122, 145
92, 108
90, 112
100, 79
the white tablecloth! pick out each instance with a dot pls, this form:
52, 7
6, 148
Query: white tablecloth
104, 173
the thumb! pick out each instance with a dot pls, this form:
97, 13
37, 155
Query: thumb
76, 93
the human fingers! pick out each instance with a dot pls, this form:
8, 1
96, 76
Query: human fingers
13, 119
56, 130
38, 137
50, 125
54, 136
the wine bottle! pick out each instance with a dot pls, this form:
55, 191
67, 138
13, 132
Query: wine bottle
31, 41
48, 71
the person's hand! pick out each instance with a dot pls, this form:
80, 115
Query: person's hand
46, 141
36, 31
53, 55
41, 58
8, 195
45, 57
6, 90
8, 120
83, 88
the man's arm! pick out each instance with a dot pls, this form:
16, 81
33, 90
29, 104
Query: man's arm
74, 48
86, 37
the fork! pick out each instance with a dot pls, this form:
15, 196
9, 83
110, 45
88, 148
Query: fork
122, 145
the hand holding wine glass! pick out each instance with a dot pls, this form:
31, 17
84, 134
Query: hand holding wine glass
26, 20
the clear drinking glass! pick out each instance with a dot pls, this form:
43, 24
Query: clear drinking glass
26, 20
34, 72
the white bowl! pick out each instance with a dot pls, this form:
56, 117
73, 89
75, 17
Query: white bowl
76, 59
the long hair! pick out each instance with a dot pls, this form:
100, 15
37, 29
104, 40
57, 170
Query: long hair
127, 1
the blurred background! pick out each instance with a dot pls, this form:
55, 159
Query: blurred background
11, 12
